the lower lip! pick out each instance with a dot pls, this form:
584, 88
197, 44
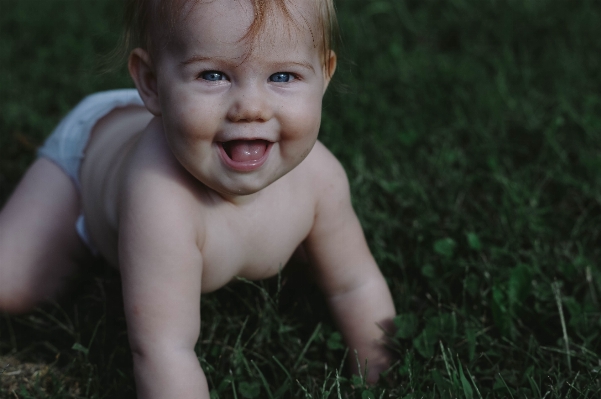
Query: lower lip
247, 166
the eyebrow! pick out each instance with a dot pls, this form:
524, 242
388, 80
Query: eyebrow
305, 65
283, 65
195, 58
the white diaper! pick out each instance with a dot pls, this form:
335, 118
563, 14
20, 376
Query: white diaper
67, 143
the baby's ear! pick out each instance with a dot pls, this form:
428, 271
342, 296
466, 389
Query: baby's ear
143, 73
329, 68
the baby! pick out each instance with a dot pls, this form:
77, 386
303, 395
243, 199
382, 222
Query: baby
211, 170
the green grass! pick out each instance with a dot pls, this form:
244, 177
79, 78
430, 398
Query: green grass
470, 131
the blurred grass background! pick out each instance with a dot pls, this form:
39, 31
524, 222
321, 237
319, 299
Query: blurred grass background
470, 131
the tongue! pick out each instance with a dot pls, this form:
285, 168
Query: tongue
245, 150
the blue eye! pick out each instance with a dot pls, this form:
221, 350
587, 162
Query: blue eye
281, 77
212, 76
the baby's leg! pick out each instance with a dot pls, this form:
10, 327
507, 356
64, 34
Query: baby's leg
39, 246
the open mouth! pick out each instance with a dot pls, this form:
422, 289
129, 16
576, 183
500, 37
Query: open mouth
245, 154
245, 150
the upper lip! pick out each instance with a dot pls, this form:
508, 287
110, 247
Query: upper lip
246, 133
244, 139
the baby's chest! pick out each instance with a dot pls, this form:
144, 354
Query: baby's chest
254, 246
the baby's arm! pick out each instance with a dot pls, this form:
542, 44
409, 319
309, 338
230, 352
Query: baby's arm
347, 272
161, 269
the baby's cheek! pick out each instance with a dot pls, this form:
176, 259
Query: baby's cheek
304, 120
306, 152
187, 126
301, 144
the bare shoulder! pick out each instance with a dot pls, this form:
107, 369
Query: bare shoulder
152, 166
156, 189
151, 158
327, 175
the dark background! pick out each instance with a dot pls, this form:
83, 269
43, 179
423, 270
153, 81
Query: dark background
470, 131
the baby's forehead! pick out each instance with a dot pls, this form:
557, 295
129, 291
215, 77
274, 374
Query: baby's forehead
232, 22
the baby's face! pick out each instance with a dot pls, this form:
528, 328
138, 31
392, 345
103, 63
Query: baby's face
240, 114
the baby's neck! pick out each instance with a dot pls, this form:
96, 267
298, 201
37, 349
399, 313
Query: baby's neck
235, 199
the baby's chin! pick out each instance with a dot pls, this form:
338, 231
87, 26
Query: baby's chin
238, 190
231, 184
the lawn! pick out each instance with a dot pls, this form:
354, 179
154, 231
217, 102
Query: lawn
471, 134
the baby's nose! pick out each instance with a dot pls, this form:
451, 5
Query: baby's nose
250, 105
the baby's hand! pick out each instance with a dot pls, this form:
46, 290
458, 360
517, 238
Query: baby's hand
365, 318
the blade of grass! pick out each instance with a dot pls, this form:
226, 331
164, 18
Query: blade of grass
311, 338
263, 380
467, 389
233, 385
556, 291
506, 386
473, 382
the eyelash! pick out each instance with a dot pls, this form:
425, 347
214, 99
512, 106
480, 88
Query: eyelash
203, 75
290, 76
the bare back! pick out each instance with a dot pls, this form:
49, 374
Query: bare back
111, 140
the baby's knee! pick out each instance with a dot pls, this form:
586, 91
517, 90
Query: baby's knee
17, 291
20, 290
16, 300
26, 283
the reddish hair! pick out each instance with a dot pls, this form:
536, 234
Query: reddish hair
141, 15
